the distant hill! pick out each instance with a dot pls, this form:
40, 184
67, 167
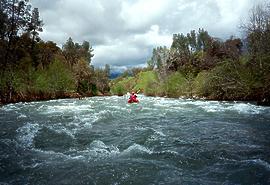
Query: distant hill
115, 74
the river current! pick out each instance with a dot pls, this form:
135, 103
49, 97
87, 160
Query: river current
104, 140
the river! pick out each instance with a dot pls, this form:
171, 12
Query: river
104, 140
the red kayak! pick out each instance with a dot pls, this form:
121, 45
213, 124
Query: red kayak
133, 101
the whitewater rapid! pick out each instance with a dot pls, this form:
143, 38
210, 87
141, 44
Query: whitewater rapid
105, 140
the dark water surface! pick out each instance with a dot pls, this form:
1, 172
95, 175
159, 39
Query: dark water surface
104, 140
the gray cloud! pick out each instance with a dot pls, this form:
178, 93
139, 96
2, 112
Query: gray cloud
123, 32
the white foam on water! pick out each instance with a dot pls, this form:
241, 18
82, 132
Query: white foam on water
208, 106
160, 133
165, 102
98, 144
99, 149
78, 157
72, 107
150, 109
42, 107
167, 152
69, 107
178, 108
136, 149
140, 128
246, 108
195, 102
9, 107
61, 130
103, 114
213, 108
82, 121
27, 133
22, 115
49, 155
87, 121
216, 106
117, 108
157, 132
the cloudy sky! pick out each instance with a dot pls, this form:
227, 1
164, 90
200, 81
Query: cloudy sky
124, 32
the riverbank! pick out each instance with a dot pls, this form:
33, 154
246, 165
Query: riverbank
42, 97
67, 95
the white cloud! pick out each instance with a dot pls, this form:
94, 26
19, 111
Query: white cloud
123, 32
134, 50
153, 37
142, 13
120, 54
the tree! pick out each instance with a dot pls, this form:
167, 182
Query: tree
107, 70
257, 31
15, 16
73, 52
46, 53
87, 51
203, 40
102, 79
3, 21
84, 77
180, 44
192, 40
233, 48
69, 51
179, 52
35, 26
59, 77
159, 57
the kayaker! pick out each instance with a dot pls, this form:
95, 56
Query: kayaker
133, 98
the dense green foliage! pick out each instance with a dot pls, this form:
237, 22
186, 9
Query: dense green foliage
32, 69
121, 87
199, 65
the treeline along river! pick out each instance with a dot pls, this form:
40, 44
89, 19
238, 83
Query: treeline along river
104, 140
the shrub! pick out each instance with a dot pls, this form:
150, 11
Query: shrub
146, 81
230, 80
175, 85
122, 86
201, 85
57, 78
